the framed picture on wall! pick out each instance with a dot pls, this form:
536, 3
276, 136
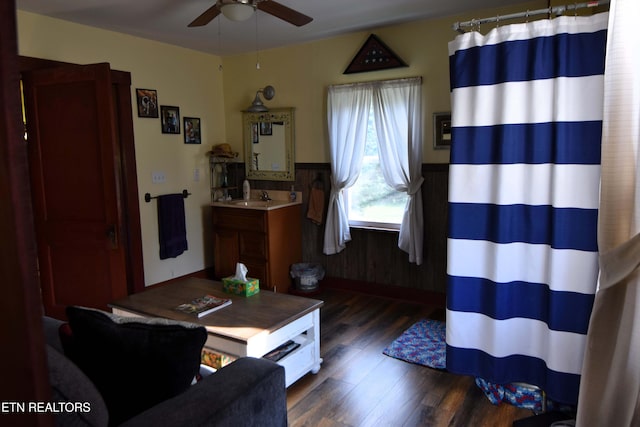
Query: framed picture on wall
441, 130
192, 130
265, 128
170, 119
147, 100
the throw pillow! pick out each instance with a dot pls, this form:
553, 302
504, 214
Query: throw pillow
135, 363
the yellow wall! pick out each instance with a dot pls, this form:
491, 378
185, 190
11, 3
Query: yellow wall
194, 82
185, 78
302, 73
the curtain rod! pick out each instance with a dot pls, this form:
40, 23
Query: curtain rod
373, 82
556, 10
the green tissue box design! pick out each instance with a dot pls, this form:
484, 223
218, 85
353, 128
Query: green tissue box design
239, 287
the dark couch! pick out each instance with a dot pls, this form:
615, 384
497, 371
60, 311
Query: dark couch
248, 392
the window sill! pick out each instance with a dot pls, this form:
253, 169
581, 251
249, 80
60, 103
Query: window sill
376, 227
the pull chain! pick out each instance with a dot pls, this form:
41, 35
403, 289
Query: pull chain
257, 47
219, 45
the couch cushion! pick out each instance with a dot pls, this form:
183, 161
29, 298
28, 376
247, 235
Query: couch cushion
69, 384
51, 327
135, 363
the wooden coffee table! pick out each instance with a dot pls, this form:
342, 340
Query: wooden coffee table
250, 326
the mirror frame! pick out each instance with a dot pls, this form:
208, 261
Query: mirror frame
284, 115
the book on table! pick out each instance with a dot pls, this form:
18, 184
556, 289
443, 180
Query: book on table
204, 305
282, 351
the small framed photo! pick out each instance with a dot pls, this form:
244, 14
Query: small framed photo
170, 119
254, 133
147, 103
265, 128
192, 130
441, 130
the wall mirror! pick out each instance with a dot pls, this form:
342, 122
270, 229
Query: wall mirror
269, 144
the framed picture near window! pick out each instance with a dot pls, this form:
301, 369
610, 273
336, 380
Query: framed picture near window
441, 130
170, 119
192, 130
147, 100
265, 128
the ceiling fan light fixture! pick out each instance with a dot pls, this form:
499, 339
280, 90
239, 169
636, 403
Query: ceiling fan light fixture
237, 11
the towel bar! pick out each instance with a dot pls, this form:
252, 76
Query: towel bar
148, 197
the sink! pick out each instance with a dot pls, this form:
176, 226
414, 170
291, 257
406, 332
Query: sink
256, 204
253, 203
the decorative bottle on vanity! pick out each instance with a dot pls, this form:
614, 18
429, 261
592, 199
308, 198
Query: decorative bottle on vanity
246, 190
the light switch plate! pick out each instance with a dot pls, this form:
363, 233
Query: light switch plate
158, 177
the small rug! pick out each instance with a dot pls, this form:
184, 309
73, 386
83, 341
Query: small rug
423, 343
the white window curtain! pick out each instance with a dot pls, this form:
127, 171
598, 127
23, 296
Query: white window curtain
398, 117
610, 386
348, 109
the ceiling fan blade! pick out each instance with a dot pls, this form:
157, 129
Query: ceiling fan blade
206, 17
283, 12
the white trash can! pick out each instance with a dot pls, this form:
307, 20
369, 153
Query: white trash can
306, 276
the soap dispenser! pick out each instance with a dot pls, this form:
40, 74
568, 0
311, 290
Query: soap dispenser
246, 190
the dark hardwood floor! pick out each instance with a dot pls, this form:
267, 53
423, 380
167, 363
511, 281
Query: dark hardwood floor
359, 386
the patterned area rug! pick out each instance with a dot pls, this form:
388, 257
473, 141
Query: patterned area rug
423, 344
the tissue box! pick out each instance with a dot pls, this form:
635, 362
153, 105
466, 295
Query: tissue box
239, 287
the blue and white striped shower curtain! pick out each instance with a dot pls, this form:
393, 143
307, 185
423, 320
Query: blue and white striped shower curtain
527, 103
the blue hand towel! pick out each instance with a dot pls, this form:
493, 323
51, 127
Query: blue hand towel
172, 230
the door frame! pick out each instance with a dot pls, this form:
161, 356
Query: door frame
130, 207
24, 369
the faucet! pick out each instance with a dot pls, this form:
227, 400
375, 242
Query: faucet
265, 196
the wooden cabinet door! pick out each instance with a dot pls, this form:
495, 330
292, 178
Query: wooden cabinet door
73, 153
253, 254
253, 245
258, 270
226, 252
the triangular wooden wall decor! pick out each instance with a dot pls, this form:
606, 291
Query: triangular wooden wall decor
374, 55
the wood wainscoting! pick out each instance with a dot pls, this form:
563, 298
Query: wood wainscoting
373, 256
397, 293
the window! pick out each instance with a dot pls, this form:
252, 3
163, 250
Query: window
371, 202
397, 153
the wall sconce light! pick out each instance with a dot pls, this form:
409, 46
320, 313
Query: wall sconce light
257, 106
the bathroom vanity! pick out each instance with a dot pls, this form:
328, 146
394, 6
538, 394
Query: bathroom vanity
266, 236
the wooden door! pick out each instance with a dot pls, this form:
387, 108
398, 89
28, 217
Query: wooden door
73, 156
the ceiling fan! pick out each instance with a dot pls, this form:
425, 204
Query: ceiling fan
240, 10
